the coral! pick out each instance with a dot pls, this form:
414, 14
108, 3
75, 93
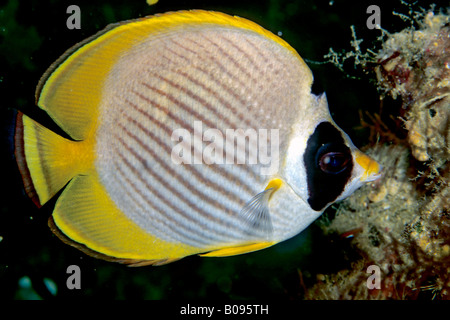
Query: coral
394, 227
401, 222
415, 65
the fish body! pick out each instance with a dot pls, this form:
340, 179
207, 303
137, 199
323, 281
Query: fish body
191, 132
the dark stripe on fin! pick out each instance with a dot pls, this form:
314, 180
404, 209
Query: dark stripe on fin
325, 187
19, 152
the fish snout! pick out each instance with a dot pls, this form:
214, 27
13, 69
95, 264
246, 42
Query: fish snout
372, 170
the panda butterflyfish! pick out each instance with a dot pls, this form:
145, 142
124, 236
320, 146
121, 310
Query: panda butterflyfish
186, 133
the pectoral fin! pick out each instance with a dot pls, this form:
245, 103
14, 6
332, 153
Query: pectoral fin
257, 216
257, 219
256, 212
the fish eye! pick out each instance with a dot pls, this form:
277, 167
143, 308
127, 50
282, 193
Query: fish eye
331, 159
333, 162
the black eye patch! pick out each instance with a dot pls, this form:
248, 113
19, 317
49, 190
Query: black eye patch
329, 163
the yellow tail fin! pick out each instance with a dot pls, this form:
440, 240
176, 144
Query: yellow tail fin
46, 160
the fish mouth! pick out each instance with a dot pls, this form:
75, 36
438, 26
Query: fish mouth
372, 169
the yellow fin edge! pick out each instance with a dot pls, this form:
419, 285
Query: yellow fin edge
232, 251
214, 17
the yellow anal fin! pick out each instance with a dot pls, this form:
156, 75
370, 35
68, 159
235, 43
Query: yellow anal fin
232, 251
98, 255
88, 219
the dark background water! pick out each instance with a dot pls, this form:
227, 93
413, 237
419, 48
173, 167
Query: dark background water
33, 34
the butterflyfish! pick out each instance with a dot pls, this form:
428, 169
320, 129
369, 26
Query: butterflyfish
185, 133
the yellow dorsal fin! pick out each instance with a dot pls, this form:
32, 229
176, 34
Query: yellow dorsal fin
231, 251
71, 89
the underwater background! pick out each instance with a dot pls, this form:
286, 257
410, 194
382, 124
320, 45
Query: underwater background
34, 262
